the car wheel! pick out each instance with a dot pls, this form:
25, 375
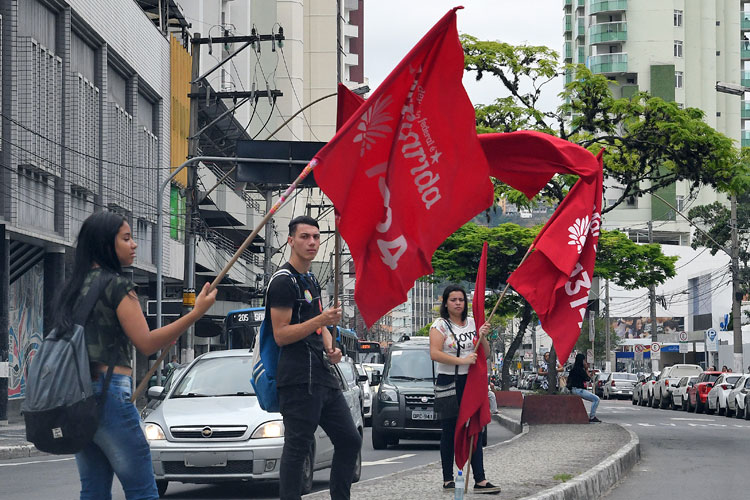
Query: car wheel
738, 411
709, 410
161, 487
747, 413
308, 472
721, 411
379, 440
685, 403
357, 467
664, 402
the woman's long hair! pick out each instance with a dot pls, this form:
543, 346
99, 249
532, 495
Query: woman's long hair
444, 307
578, 363
95, 245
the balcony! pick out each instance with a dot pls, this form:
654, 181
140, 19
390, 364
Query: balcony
746, 138
745, 110
581, 4
745, 21
567, 3
568, 51
581, 55
581, 27
607, 6
608, 32
744, 49
745, 78
567, 23
609, 63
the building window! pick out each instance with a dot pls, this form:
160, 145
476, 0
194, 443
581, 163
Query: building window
678, 79
680, 203
678, 48
678, 18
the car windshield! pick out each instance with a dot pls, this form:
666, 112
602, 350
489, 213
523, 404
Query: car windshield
211, 377
624, 376
411, 364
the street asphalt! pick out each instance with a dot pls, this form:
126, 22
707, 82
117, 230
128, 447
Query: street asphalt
542, 462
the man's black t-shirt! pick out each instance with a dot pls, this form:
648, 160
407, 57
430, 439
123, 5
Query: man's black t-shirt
301, 362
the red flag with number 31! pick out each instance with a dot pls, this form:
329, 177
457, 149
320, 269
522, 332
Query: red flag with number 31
406, 170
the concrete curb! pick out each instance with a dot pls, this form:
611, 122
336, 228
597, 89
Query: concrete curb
19, 451
593, 483
513, 426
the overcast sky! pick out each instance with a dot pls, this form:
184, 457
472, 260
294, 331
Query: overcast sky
393, 27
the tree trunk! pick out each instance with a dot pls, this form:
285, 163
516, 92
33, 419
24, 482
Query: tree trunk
552, 371
525, 320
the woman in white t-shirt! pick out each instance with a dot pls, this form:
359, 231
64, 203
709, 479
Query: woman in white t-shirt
453, 329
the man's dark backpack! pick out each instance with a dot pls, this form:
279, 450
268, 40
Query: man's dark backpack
61, 410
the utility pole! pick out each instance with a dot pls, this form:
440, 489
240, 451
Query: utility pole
533, 344
736, 294
191, 202
269, 235
652, 297
607, 346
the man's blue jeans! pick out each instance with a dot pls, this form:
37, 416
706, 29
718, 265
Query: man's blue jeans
119, 447
587, 395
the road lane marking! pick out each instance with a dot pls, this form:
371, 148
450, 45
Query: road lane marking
694, 419
647, 425
38, 462
389, 460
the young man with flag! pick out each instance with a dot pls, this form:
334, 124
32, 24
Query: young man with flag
309, 394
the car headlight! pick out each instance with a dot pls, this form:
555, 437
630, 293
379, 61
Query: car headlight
153, 432
388, 395
273, 429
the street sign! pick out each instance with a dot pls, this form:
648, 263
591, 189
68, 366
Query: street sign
712, 340
655, 350
683, 337
638, 348
590, 356
684, 347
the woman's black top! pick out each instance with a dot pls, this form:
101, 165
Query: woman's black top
578, 377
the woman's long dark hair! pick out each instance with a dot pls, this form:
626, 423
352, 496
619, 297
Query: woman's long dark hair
95, 245
578, 363
443, 306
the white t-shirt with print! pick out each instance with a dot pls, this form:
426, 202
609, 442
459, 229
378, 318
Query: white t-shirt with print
465, 335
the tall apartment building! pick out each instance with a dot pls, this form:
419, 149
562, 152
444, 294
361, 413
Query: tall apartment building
676, 50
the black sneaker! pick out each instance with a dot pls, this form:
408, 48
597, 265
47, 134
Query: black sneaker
594, 420
487, 489
450, 485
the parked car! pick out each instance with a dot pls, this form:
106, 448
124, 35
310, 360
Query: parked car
598, 382
153, 403
371, 369
697, 394
210, 428
364, 385
404, 407
354, 380
717, 396
679, 398
647, 389
669, 378
619, 384
736, 397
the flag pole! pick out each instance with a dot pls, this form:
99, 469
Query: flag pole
468, 462
286, 196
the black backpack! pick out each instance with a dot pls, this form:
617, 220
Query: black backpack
61, 410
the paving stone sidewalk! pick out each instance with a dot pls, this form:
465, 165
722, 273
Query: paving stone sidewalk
522, 466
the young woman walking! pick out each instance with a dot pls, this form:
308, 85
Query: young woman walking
105, 245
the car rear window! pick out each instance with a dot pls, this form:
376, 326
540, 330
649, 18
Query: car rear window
733, 380
685, 371
624, 376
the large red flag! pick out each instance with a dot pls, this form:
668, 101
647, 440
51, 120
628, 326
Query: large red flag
406, 170
556, 278
347, 103
474, 412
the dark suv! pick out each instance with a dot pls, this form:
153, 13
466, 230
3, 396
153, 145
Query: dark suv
404, 405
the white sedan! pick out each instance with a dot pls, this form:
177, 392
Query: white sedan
679, 393
736, 397
717, 396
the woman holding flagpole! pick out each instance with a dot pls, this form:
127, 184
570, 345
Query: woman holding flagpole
452, 340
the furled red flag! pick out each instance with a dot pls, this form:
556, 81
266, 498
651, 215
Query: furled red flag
556, 277
347, 104
406, 170
474, 412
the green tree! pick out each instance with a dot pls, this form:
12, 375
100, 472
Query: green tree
600, 339
650, 143
619, 259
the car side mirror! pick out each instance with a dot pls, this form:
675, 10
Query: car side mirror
155, 392
710, 385
362, 378
376, 378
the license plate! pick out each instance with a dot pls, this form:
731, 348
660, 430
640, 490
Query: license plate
422, 415
206, 459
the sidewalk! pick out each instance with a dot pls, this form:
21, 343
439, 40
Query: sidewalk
595, 455
13, 442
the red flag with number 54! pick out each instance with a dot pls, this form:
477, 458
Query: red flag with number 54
406, 170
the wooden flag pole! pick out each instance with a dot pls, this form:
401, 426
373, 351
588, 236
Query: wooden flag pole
288, 195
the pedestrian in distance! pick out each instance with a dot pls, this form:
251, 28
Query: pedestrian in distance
309, 394
452, 340
544, 371
579, 375
725, 369
105, 245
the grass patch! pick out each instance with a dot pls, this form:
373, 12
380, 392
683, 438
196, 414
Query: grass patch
562, 477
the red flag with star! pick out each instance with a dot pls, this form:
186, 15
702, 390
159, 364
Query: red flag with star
406, 170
